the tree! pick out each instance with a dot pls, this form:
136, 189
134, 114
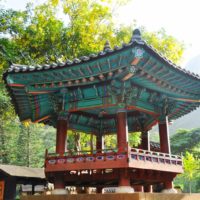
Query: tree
186, 140
166, 44
190, 175
134, 139
190, 167
6, 116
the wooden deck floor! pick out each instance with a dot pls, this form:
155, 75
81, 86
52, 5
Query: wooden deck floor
135, 196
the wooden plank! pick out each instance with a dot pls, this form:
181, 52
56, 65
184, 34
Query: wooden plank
2, 183
134, 196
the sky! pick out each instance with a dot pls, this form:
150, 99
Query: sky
180, 18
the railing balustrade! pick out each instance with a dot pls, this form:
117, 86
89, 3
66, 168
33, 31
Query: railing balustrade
113, 154
156, 157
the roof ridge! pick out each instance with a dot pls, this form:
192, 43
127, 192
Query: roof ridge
135, 39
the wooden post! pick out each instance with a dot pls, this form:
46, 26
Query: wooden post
33, 189
138, 188
164, 136
148, 188
122, 130
168, 185
10, 188
99, 189
61, 135
122, 144
91, 143
2, 187
145, 143
59, 184
99, 143
124, 179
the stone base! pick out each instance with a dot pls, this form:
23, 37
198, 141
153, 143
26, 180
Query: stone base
59, 192
172, 190
124, 189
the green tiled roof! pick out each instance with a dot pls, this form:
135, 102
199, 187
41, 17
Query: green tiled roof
92, 88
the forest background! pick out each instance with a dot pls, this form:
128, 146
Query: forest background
37, 35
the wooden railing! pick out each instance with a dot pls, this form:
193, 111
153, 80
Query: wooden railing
132, 154
85, 156
84, 152
156, 157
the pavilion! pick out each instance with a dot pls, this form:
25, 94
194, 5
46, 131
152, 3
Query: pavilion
126, 89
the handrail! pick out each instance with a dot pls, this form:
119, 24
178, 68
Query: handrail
85, 152
146, 152
114, 154
103, 151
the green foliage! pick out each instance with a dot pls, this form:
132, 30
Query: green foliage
110, 141
190, 165
25, 145
134, 139
189, 179
165, 44
187, 142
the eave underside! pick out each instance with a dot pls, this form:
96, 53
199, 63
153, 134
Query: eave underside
132, 78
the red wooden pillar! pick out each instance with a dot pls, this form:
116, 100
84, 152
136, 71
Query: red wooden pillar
145, 143
99, 143
61, 135
122, 143
168, 185
91, 143
138, 188
122, 130
59, 181
164, 136
124, 179
148, 188
99, 189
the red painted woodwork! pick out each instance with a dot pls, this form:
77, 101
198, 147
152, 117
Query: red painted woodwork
114, 169
168, 185
15, 85
59, 182
125, 167
148, 188
99, 143
145, 143
164, 136
91, 143
124, 178
122, 131
61, 136
99, 189
134, 158
138, 188
91, 177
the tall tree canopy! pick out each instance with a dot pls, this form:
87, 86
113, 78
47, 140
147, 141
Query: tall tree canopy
39, 35
187, 142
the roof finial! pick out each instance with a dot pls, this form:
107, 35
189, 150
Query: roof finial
136, 35
107, 47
